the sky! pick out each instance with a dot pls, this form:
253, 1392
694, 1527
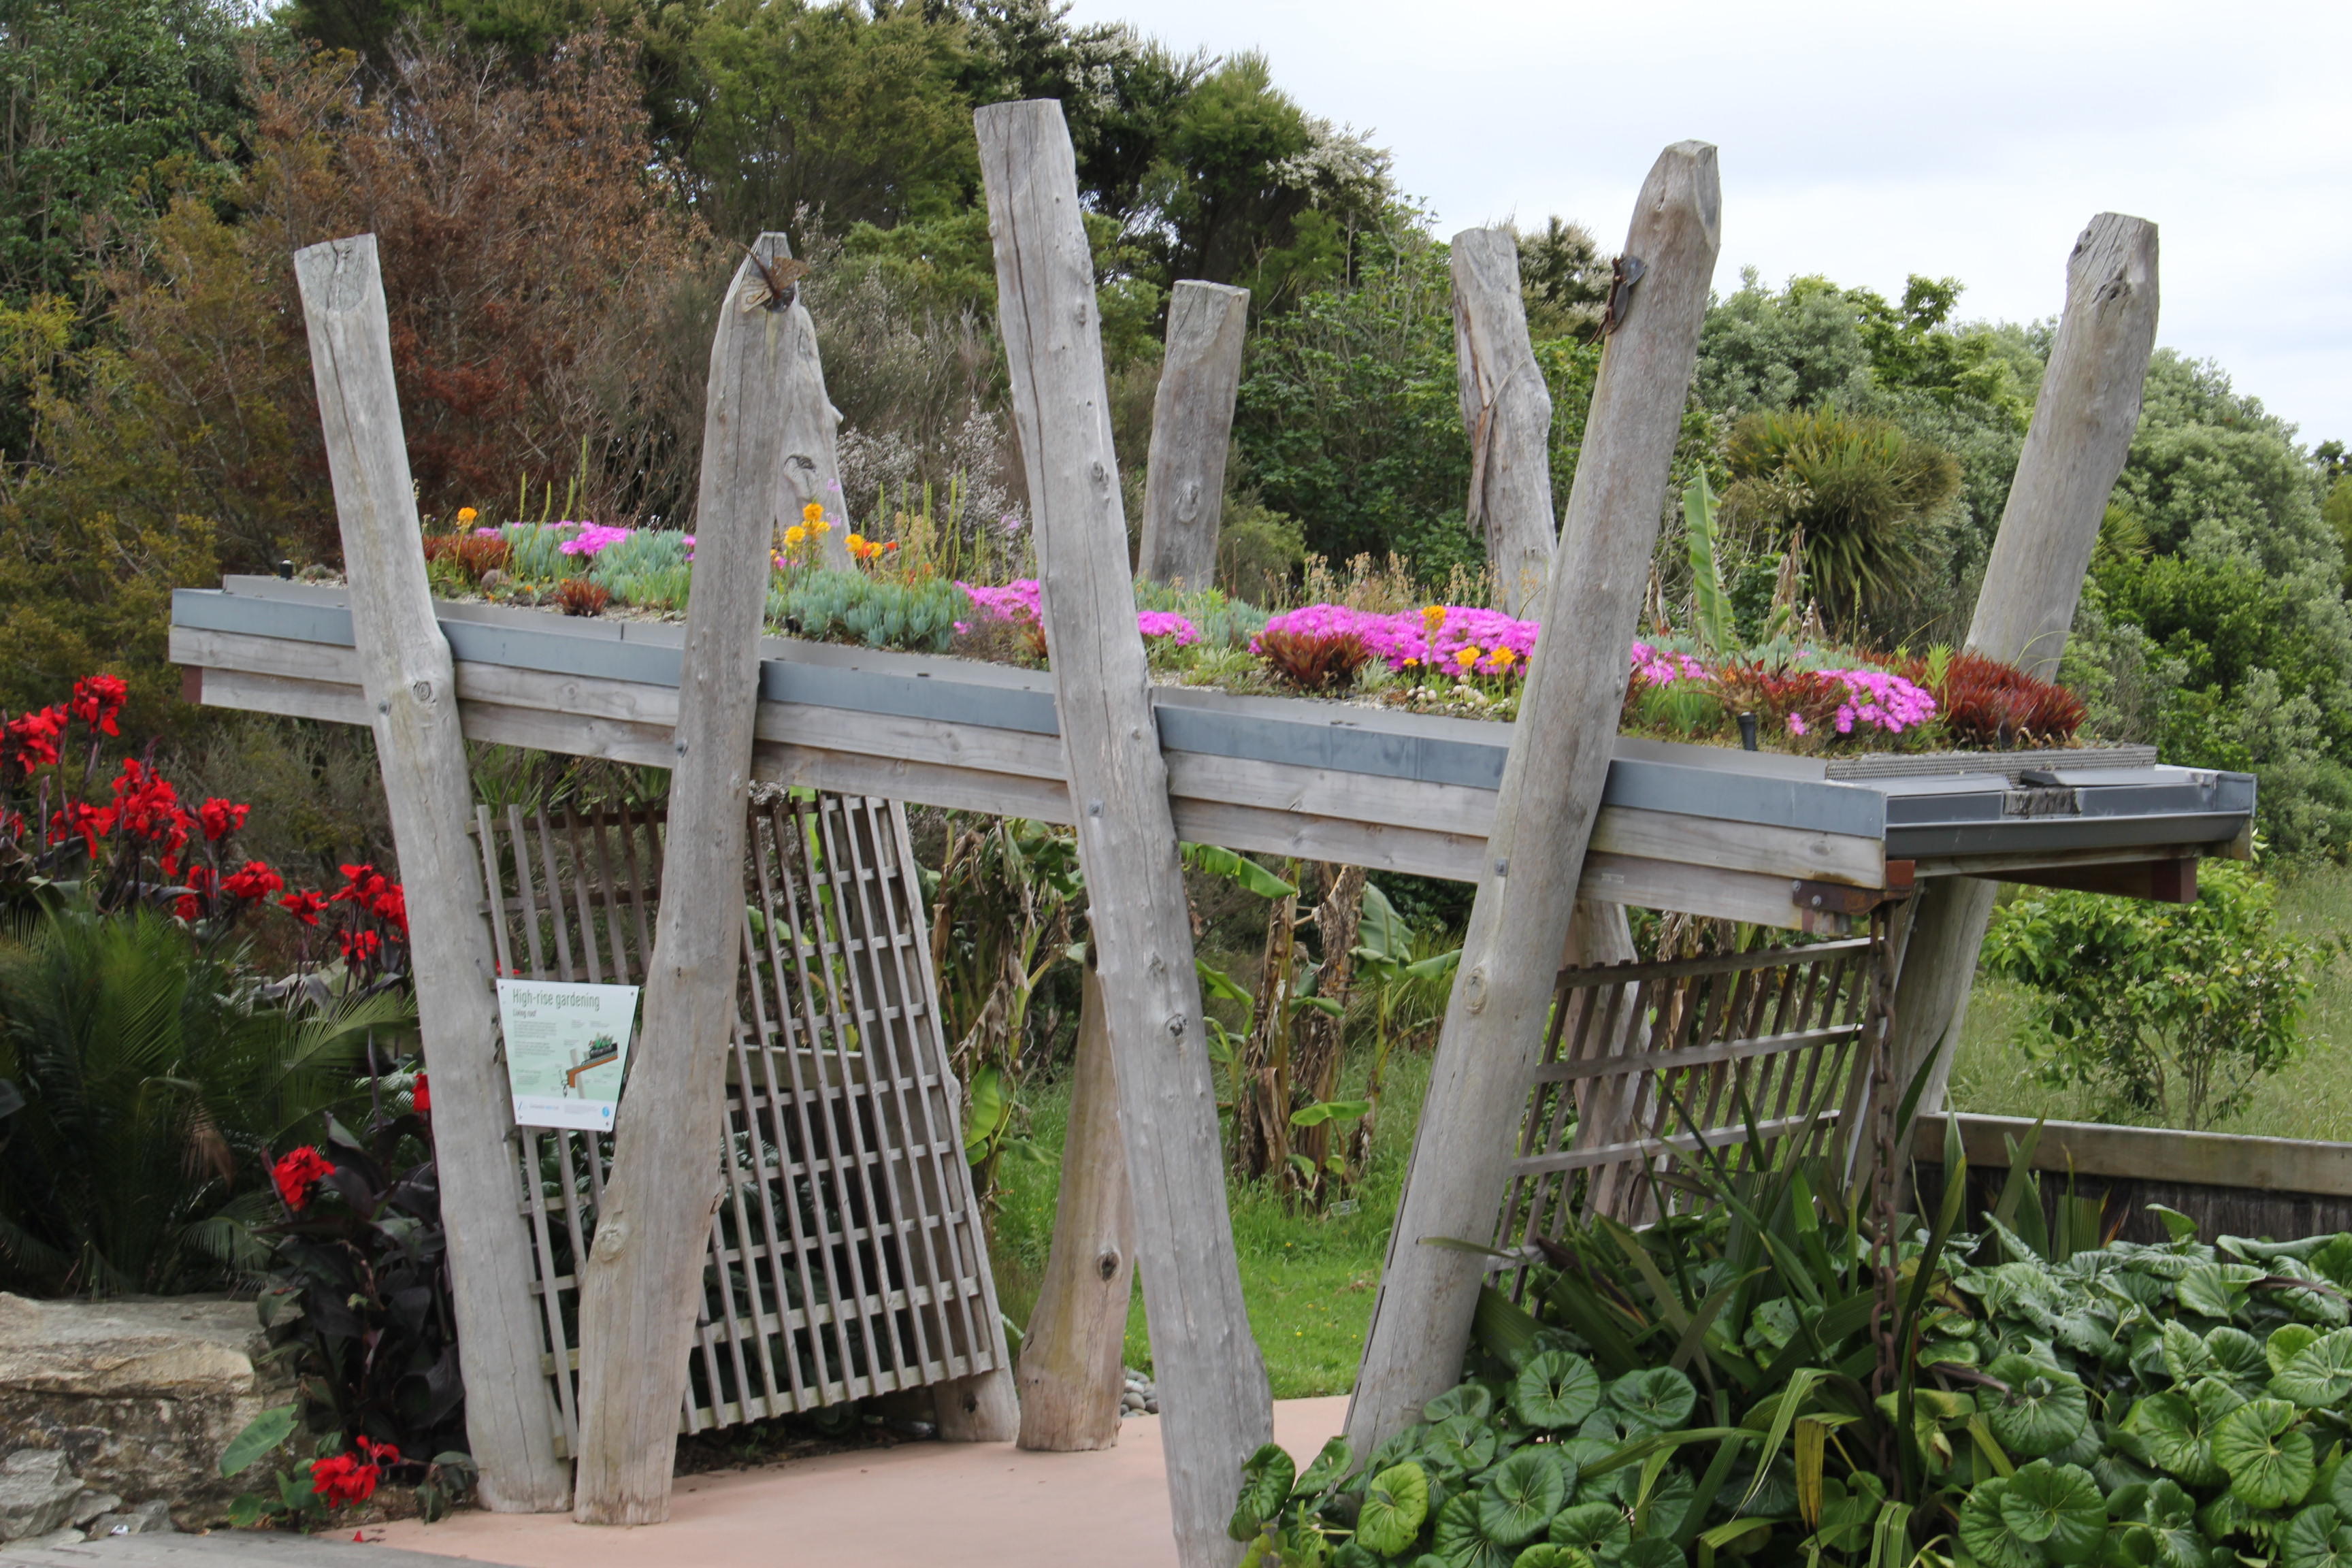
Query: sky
1869, 143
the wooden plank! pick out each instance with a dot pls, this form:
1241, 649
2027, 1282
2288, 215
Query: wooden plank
287, 697
1719, 1138
1551, 788
2000, 866
404, 667
1506, 414
1674, 1058
1212, 1376
1700, 889
642, 1288
2149, 1153
1192, 424
958, 789
1070, 1363
2157, 882
2083, 419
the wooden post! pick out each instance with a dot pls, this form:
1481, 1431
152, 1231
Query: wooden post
1506, 412
642, 1281
1191, 423
410, 687
2082, 431
1210, 1374
1071, 1371
1550, 793
809, 468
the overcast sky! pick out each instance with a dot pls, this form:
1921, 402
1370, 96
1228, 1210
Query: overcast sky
1870, 142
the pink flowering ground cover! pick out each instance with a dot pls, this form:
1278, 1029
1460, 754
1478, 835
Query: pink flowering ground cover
1019, 601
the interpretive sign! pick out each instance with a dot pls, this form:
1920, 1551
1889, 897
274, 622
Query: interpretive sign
567, 1047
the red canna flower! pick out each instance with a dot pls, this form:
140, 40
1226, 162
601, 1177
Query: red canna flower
97, 698
359, 946
255, 882
391, 907
343, 1479
297, 1173
35, 736
200, 883
304, 906
422, 1102
92, 822
220, 817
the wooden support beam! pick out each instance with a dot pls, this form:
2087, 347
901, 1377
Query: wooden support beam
1218, 1410
1071, 1370
1191, 426
1506, 412
2149, 1154
404, 665
2074, 449
2157, 881
642, 1281
1544, 813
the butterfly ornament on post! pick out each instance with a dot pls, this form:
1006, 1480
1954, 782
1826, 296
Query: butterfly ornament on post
777, 286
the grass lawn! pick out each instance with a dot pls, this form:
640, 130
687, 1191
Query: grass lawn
1307, 1277
2312, 1098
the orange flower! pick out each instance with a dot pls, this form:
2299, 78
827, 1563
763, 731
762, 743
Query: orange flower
1467, 656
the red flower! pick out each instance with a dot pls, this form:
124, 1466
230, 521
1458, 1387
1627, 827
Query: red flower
200, 884
422, 1102
147, 806
35, 736
220, 817
92, 822
382, 1454
391, 907
361, 885
254, 883
359, 946
297, 1173
97, 698
304, 907
343, 1479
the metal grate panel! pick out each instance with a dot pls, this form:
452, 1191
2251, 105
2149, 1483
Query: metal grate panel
846, 1255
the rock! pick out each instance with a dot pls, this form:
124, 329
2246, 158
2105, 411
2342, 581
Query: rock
36, 1493
90, 1504
140, 1396
153, 1517
68, 1536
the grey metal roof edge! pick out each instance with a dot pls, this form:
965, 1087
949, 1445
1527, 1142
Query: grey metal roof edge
2015, 835
1730, 796
911, 695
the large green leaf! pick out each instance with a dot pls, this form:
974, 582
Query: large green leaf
1331, 1466
1239, 870
2238, 1358
1462, 1543
1557, 1388
2215, 1290
2169, 1426
261, 1435
2317, 1537
992, 1109
1544, 1554
1381, 933
1521, 1495
2057, 1507
1655, 1552
1463, 1443
1395, 1503
1659, 1397
2268, 1456
1267, 1479
1986, 1532
2284, 1340
2044, 1410
2318, 1375
2186, 1357
1597, 1529
1710, 605
2171, 1516
1469, 1399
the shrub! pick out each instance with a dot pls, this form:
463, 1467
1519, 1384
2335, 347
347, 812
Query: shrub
468, 554
1323, 661
2174, 1011
1984, 702
579, 596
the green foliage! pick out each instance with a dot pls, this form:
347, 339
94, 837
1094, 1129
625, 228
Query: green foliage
878, 611
2175, 1009
156, 1084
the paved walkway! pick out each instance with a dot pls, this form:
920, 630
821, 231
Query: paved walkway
922, 1505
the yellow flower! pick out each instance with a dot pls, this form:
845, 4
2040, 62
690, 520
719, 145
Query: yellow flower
1466, 656
467, 515
812, 513
793, 536
1434, 617
858, 544
1503, 656
822, 526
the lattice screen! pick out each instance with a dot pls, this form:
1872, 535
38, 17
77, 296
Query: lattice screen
1640, 1055
846, 1255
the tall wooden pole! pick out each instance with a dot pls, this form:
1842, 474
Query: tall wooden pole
1551, 792
810, 469
1192, 425
1070, 1376
410, 682
642, 1281
1211, 1376
2074, 451
1506, 412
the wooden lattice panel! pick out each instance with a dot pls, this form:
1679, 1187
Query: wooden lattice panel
1645, 1061
846, 1257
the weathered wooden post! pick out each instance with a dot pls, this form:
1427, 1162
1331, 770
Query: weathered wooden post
1070, 1376
1192, 424
410, 682
2082, 431
810, 469
1211, 1376
1550, 793
1506, 412
643, 1281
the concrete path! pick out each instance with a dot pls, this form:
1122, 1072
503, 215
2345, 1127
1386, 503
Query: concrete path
226, 1549
924, 1505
